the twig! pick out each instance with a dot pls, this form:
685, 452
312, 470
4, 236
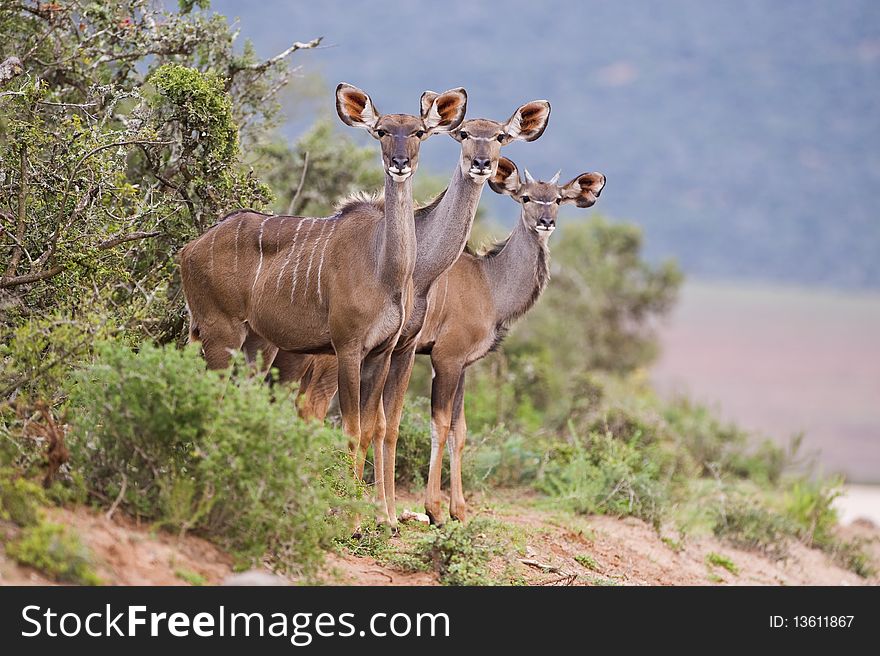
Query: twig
118, 500
552, 569
567, 579
299, 187
20, 224
298, 45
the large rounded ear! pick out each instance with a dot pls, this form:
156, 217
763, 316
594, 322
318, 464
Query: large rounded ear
529, 121
584, 189
355, 107
506, 179
443, 112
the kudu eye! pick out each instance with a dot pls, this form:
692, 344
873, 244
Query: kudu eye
463, 134
381, 133
420, 133
559, 201
500, 137
526, 199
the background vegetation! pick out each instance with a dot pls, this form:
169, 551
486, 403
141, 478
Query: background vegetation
128, 129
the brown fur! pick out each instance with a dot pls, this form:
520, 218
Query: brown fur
338, 285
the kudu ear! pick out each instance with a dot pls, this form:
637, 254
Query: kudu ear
443, 112
506, 179
355, 107
529, 121
584, 189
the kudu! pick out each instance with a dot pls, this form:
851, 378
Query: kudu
442, 229
340, 285
470, 309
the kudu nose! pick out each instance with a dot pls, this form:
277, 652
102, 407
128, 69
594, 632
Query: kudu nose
400, 163
546, 223
481, 163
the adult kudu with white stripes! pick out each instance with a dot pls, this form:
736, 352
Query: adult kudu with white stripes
341, 284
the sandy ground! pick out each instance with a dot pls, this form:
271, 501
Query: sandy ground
623, 551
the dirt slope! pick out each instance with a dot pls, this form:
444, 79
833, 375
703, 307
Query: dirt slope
618, 552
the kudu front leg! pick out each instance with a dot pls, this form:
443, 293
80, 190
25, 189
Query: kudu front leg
458, 435
374, 373
349, 382
393, 399
443, 389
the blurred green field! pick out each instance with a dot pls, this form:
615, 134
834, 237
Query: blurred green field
782, 360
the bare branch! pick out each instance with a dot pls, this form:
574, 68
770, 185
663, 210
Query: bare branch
21, 216
299, 187
134, 236
298, 45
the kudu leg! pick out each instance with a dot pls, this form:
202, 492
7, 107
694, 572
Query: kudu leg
374, 373
349, 382
259, 353
443, 389
220, 341
458, 435
393, 399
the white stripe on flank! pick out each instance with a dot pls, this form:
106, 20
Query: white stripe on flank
260, 263
312, 255
289, 254
321, 263
296, 264
237, 231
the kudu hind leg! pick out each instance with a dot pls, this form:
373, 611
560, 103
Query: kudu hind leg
443, 389
458, 435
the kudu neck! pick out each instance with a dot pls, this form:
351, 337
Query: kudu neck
518, 273
442, 233
397, 239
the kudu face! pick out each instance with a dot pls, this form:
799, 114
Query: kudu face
400, 135
540, 201
481, 139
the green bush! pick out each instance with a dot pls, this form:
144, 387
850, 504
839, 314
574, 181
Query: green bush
605, 475
414, 444
195, 449
20, 499
55, 550
458, 553
748, 524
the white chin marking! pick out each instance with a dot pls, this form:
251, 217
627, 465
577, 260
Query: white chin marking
400, 176
544, 232
479, 177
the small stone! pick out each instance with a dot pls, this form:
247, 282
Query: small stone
410, 516
255, 577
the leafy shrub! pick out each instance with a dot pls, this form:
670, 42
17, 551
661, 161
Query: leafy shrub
719, 560
20, 499
748, 524
501, 458
609, 476
809, 506
459, 553
414, 443
195, 449
55, 550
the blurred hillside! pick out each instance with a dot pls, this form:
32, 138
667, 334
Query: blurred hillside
742, 136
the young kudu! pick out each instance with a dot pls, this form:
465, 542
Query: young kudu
340, 285
442, 229
473, 305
